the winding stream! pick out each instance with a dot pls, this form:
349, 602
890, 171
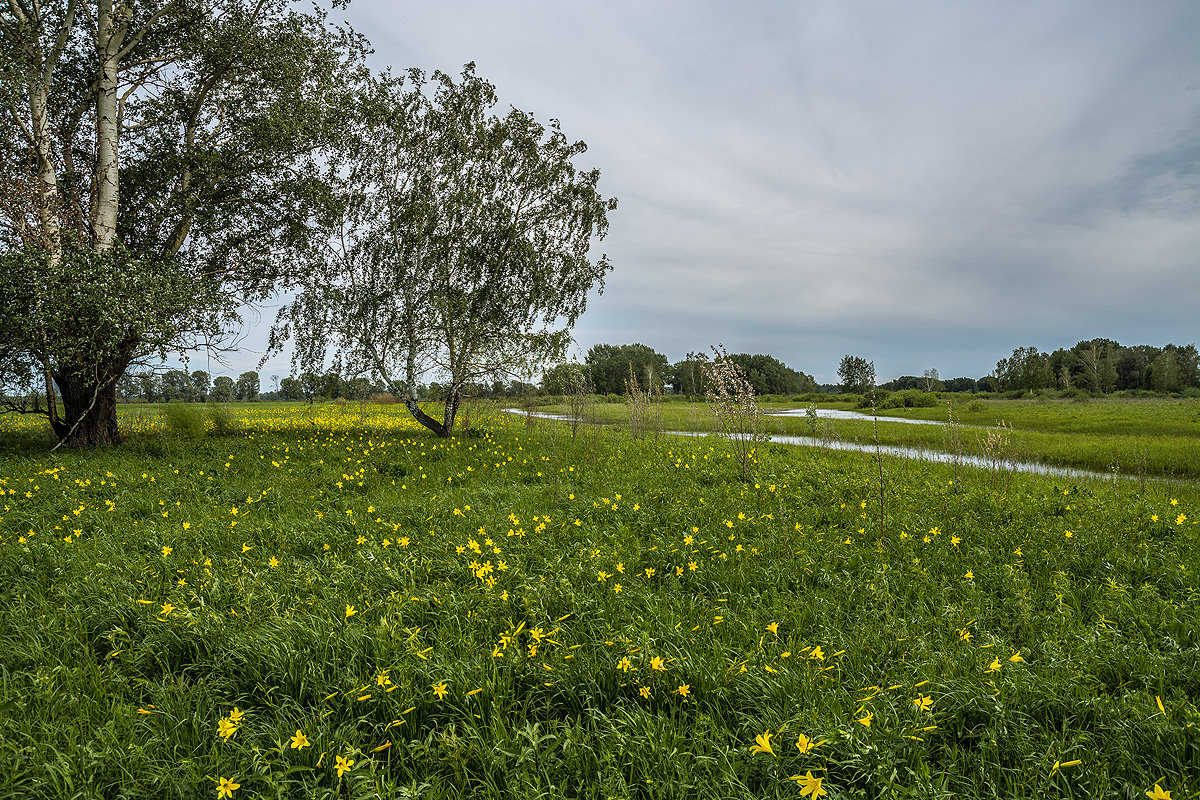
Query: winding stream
920, 453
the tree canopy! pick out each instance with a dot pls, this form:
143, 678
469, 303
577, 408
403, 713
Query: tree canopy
157, 167
461, 246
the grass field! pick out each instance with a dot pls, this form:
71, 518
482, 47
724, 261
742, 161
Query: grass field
1130, 437
327, 602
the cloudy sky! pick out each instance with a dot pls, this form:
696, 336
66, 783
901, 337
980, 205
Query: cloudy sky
922, 184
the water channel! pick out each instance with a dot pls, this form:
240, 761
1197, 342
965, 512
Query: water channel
920, 453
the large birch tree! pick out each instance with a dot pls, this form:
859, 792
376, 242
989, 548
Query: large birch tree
158, 164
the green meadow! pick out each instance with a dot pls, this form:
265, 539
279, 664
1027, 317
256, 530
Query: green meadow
327, 602
1141, 438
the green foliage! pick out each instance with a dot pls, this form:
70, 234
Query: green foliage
983, 643
609, 367
857, 374
463, 238
183, 420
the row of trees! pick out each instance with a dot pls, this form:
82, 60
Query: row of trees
608, 369
178, 386
1101, 366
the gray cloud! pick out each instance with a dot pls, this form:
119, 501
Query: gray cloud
923, 184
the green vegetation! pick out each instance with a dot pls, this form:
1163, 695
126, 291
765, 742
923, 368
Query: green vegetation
328, 603
1157, 437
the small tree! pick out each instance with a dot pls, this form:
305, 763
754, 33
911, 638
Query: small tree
462, 245
222, 389
857, 374
731, 398
246, 389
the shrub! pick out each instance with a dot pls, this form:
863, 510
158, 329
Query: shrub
182, 420
219, 420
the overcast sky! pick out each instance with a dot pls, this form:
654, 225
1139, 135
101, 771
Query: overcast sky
921, 184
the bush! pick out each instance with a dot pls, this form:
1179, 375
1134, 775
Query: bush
182, 420
220, 420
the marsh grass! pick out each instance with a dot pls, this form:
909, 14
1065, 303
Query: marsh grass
141, 607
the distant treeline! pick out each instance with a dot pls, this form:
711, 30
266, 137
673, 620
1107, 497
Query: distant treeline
1095, 366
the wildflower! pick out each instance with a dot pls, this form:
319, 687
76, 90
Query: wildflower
350, 611
226, 787
383, 678
1158, 793
762, 743
923, 702
810, 785
343, 765
645, 692
970, 575
166, 551
817, 654
440, 689
806, 745
1016, 657
994, 666
656, 664
964, 635
226, 728
954, 540
167, 608
274, 562
300, 741
774, 628
865, 719
1059, 765
684, 689
624, 664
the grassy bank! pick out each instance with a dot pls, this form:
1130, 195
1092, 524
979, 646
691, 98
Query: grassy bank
319, 604
1130, 437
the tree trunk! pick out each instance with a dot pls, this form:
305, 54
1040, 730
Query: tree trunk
89, 417
89, 399
443, 428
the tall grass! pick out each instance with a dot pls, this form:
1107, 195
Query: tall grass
519, 613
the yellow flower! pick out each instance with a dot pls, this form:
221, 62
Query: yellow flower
656, 663
774, 628
684, 689
645, 691
624, 664
817, 654
350, 612
274, 562
300, 741
865, 719
923, 702
440, 689
236, 715
343, 765
167, 608
1158, 793
226, 728
807, 745
226, 787
1016, 657
762, 743
995, 665
166, 551
810, 785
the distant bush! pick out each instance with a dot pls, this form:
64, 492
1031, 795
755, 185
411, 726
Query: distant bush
220, 421
182, 420
383, 399
1076, 393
